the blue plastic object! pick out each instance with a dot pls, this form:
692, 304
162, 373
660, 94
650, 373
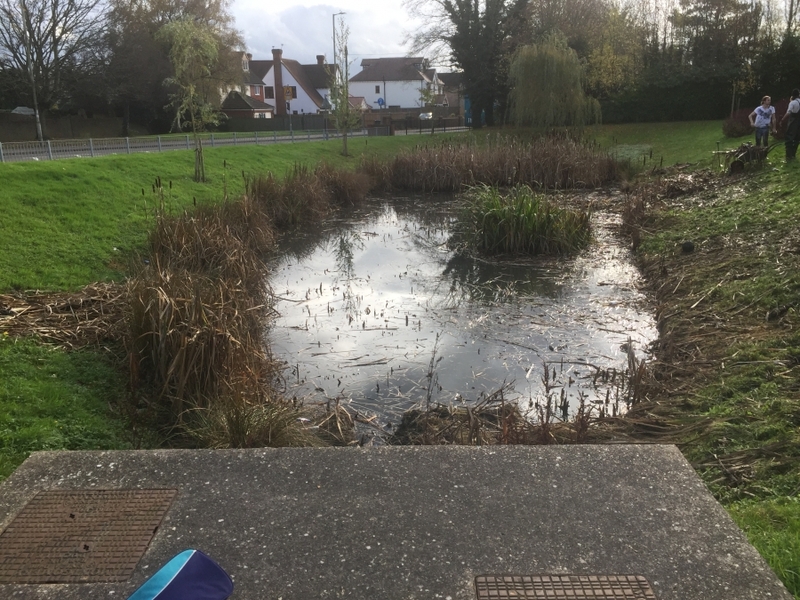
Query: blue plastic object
191, 575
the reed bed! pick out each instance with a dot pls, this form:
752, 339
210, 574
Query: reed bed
492, 420
504, 161
198, 306
520, 222
304, 195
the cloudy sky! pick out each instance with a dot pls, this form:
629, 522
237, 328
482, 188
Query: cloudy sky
304, 28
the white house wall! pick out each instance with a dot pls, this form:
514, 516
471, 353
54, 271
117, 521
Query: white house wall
301, 104
405, 94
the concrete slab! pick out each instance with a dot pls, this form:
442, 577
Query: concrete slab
417, 522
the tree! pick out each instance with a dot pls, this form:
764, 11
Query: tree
193, 53
345, 116
138, 62
45, 38
480, 36
546, 86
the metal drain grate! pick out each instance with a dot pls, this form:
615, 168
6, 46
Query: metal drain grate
563, 587
81, 536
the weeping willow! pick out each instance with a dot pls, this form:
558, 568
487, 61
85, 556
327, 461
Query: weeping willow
546, 87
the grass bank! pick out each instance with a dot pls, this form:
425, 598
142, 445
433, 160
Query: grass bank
721, 255
725, 374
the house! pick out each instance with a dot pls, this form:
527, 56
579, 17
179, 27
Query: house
286, 85
453, 92
358, 103
239, 105
404, 82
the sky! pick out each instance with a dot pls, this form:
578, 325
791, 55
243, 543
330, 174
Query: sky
304, 29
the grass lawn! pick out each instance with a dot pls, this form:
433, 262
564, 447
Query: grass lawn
69, 223
683, 142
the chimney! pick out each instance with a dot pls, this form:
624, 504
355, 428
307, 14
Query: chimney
277, 70
320, 59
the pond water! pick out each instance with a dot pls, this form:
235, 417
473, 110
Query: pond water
377, 311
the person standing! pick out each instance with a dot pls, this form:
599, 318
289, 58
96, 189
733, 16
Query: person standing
793, 129
763, 119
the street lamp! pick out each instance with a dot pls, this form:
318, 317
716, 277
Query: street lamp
333, 20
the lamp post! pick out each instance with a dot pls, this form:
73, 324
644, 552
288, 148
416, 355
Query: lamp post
333, 20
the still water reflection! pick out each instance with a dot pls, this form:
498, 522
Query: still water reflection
374, 301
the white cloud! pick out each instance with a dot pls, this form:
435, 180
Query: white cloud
305, 30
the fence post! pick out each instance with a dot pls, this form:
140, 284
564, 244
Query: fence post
274, 136
292, 132
1, 153
49, 150
128, 144
187, 142
234, 138
159, 143
91, 147
212, 140
256, 137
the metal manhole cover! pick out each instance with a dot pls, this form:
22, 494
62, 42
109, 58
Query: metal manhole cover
81, 536
563, 587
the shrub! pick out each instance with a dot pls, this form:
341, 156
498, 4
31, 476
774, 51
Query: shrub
738, 124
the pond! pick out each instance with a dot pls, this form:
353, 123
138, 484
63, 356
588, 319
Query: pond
376, 310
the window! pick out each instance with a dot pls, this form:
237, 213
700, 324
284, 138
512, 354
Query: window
377, 89
255, 90
269, 92
294, 91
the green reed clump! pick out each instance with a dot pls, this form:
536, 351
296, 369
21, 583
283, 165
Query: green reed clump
520, 222
553, 162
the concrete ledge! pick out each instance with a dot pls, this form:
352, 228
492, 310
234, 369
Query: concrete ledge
417, 522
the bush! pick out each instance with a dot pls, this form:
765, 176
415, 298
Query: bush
738, 124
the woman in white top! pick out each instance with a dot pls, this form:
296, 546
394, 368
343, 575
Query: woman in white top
763, 119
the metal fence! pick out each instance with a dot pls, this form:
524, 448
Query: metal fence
58, 149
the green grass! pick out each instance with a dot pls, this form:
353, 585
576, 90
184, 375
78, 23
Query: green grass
68, 223
55, 400
773, 526
683, 142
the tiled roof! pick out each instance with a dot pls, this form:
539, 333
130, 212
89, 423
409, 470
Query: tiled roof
390, 69
320, 76
237, 101
260, 68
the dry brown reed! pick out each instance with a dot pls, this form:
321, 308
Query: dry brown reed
197, 312
196, 339
305, 195
492, 420
504, 161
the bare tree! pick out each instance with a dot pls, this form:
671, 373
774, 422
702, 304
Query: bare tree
345, 116
43, 38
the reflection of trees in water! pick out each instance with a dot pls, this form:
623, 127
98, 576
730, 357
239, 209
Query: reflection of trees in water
343, 250
489, 282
